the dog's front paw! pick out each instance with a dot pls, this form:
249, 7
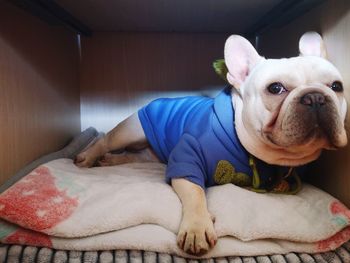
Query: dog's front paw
196, 234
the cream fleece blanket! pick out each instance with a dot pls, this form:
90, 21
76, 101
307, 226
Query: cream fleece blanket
131, 207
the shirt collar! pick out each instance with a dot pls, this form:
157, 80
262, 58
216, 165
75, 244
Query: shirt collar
224, 111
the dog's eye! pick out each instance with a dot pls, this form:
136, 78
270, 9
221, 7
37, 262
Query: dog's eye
276, 88
337, 86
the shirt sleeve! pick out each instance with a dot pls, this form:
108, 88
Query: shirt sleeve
186, 161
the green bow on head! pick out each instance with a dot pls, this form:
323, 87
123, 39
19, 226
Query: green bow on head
220, 68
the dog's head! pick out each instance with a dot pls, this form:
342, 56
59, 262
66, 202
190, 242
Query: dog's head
286, 110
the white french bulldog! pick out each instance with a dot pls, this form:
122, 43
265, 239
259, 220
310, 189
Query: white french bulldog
285, 112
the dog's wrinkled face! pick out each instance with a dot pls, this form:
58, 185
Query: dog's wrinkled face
286, 110
290, 106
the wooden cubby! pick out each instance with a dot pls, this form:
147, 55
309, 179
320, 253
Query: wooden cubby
54, 83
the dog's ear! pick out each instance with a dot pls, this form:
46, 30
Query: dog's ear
240, 58
311, 44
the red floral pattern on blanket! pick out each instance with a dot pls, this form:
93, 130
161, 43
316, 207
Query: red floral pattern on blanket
342, 216
334, 241
35, 202
28, 237
337, 208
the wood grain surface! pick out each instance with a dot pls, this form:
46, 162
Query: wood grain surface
39, 88
205, 16
120, 72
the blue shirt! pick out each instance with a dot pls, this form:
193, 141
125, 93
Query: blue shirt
193, 134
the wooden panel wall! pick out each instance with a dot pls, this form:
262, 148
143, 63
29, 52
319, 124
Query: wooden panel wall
122, 71
39, 88
332, 20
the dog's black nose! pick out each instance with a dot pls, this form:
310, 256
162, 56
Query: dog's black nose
313, 99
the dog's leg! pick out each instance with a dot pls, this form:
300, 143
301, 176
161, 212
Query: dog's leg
128, 133
145, 155
196, 234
